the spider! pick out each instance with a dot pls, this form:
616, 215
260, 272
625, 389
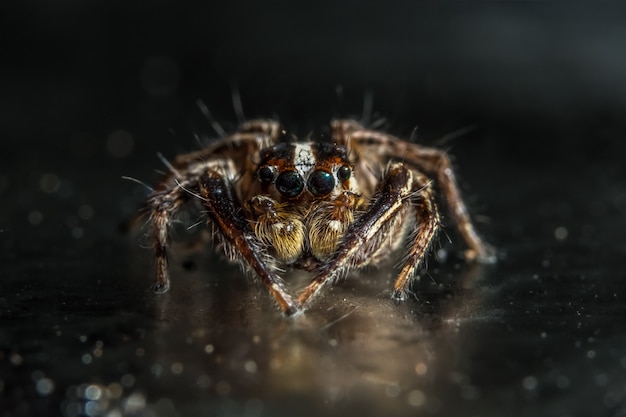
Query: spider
326, 205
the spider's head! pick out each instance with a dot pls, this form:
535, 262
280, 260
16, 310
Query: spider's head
311, 170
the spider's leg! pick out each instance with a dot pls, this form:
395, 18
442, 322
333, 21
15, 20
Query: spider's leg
428, 160
373, 228
270, 128
239, 238
435, 161
164, 204
427, 224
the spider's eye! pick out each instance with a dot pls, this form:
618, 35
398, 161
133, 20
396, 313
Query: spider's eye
266, 174
343, 173
289, 184
321, 182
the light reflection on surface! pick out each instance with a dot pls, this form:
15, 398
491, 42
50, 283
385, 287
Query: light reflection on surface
222, 343
537, 333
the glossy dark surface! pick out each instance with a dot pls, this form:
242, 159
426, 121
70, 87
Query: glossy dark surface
540, 333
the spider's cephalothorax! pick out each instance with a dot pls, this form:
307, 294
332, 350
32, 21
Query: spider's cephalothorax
325, 206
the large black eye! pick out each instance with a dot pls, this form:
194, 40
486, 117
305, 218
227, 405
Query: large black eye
266, 174
289, 184
321, 182
343, 173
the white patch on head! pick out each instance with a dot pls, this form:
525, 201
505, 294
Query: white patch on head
303, 158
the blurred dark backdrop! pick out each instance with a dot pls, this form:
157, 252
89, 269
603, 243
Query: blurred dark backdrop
531, 68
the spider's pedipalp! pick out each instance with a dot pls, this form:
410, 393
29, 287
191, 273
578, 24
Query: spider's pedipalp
378, 229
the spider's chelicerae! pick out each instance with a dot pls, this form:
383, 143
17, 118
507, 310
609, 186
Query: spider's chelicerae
326, 204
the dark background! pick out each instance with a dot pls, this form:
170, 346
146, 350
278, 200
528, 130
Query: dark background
90, 91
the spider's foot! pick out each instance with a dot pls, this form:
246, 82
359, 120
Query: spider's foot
162, 287
293, 311
399, 295
486, 255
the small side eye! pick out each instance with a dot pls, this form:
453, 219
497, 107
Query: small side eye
266, 174
321, 182
344, 172
289, 184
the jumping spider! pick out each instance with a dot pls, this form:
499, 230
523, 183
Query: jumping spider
325, 205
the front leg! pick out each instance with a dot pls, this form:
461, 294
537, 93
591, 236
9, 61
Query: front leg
373, 229
428, 160
238, 237
427, 223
